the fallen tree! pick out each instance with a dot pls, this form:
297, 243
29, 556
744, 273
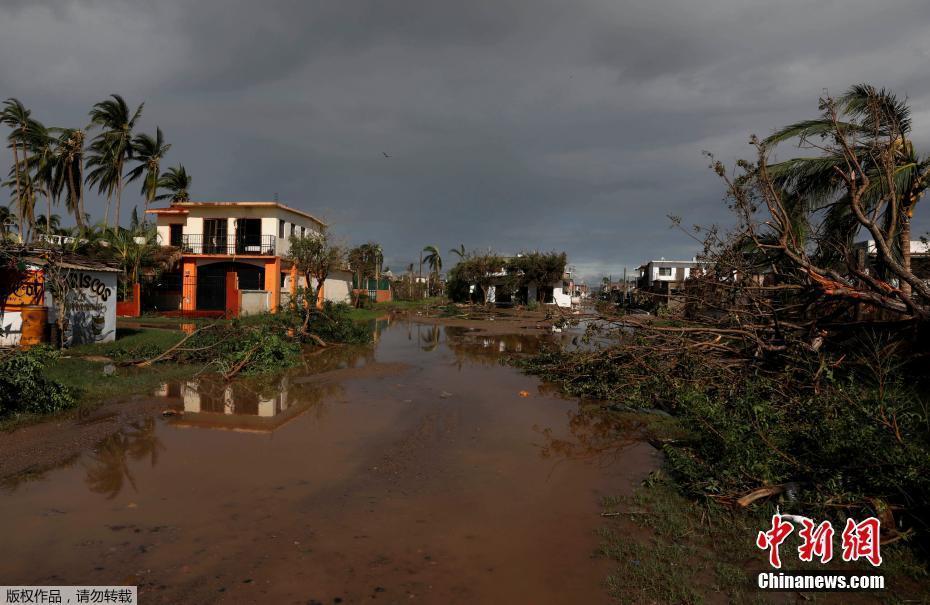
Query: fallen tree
796, 362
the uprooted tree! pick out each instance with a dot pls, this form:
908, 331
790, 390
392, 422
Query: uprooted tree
795, 362
865, 179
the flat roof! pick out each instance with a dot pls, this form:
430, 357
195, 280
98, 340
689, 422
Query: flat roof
673, 262
181, 208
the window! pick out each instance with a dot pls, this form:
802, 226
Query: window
665, 271
280, 228
293, 229
176, 237
303, 232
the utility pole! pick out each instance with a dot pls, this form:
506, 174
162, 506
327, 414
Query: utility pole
420, 279
626, 286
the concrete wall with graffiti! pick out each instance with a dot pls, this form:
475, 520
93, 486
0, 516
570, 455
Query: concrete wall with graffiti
92, 306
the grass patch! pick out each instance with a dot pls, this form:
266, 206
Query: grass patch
93, 387
88, 384
130, 344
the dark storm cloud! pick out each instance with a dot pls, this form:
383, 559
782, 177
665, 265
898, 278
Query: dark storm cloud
510, 124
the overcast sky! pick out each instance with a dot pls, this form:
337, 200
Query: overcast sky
573, 126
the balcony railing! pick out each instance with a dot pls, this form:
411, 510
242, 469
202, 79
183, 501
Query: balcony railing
229, 244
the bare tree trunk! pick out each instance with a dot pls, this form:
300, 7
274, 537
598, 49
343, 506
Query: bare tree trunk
30, 192
78, 210
48, 210
119, 194
906, 248
19, 193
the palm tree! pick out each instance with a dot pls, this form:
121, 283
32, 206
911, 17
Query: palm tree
17, 117
52, 223
433, 260
6, 220
377, 258
69, 172
149, 152
460, 251
111, 148
357, 258
43, 161
177, 182
872, 118
132, 248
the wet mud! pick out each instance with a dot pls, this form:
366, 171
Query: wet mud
417, 470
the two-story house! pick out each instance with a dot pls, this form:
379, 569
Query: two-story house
232, 253
665, 276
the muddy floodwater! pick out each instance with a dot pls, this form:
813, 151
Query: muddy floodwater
416, 470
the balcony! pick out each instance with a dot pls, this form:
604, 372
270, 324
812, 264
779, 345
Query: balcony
256, 245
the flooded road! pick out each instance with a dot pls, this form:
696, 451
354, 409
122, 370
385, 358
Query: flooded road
417, 470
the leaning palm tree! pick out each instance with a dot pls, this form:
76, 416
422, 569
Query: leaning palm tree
869, 119
69, 172
149, 152
177, 183
433, 260
42, 166
111, 148
17, 117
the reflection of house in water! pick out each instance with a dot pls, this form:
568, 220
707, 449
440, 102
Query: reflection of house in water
237, 406
469, 345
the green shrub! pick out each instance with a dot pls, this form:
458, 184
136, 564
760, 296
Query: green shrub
25, 387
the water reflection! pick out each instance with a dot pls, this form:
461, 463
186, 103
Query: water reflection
596, 435
108, 470
249, 406
487, 349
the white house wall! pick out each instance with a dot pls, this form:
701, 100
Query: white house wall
270, 217
560, 297
338, 288
11, 328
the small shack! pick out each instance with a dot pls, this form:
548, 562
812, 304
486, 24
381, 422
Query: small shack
28, 309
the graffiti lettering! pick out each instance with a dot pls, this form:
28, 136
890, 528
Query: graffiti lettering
89, 282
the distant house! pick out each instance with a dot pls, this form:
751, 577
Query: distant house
665, 276
559, 293
377, 290
233, 256
867, 256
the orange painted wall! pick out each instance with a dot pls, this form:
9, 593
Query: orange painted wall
273, 283
189, 289
24, 289
131, 307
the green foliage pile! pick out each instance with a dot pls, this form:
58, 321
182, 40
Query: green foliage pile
269, 342
25, 387
846, 436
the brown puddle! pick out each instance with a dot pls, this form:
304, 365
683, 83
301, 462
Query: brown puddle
411, 472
